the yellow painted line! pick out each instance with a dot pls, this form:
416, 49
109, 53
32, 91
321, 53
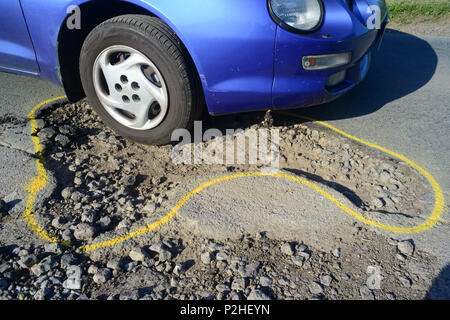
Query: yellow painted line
40, 181
439, 197
166, 218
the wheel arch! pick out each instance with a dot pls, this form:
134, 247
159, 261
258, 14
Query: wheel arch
94, 13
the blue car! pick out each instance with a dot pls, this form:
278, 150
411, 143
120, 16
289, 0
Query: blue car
151, 66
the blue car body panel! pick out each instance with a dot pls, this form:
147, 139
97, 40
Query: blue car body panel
244, 60
16, 49
342, 31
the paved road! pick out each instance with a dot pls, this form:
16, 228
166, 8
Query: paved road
18, 94
402, 105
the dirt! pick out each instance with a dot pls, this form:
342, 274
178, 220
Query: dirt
113, 178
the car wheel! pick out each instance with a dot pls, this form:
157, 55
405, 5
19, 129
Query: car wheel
139, 78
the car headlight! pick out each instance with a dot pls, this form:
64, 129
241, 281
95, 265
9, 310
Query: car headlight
297, 15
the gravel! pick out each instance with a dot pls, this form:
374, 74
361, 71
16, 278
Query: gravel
248, 273
68, 259
44, 266
138, 254
406, 247
84, 231
315, 288
110, 184
62, 140
238, 284
326, 280
257, 294
405, 281
287, 249
265, 281
102, 275
163, 253
206, 257
366, 293
337, 252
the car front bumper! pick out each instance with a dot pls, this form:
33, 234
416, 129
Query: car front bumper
296, 87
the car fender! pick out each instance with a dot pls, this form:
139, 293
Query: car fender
231, 43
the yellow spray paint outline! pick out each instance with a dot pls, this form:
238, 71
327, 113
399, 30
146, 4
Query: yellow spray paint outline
40, 181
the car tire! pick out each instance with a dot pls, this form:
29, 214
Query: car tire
164, 62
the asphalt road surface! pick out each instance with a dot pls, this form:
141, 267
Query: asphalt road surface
402, 105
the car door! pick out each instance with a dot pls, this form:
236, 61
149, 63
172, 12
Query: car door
16, 49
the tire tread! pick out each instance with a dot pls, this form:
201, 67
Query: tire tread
155, 28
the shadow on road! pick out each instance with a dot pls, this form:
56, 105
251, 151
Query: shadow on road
404, 64
440, 289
